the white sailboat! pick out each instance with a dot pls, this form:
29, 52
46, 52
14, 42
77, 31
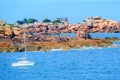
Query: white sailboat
23, 61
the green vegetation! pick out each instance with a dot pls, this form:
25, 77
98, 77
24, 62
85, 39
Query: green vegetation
27, 21
32, 20
19, 22
56, 21
11, 25
46, 20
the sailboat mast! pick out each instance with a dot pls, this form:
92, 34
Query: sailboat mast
25, 43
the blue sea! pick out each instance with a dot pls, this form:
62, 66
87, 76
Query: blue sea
88, 63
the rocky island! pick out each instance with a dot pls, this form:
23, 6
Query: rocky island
46, 35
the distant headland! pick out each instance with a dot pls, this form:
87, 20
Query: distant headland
45, 35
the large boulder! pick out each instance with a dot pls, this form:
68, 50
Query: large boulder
101, 25
38, 30
2, 22
82, 33
16, 31
37, 23
44, 28
73, 28
7, 30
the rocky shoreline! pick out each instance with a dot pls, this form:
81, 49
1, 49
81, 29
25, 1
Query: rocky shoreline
41, 35
45, 46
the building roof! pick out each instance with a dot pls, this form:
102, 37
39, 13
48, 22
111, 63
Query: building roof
97, 17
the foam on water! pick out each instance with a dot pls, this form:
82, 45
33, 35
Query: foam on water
56, 49
90, 47
87, 48
115, 45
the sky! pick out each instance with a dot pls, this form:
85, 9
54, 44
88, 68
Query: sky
75, 10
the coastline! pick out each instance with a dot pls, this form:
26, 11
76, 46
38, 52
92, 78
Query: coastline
46, 46
48, 35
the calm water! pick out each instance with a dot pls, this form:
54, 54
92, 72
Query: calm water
103, 35
93, 35
75, 64
88, 64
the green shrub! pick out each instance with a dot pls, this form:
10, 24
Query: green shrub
46, 20
31, 20
56, 21
11, 25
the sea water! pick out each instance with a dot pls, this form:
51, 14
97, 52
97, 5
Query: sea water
103, 35
74, 64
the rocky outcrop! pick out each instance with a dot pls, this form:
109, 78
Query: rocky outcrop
82, 30
2, 22
46, 37
5, 31
82, 33
73, 28
97, 24
17, 31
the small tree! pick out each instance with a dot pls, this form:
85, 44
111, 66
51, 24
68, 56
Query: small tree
46, 20
56, 21
20, 22
25, 20
32, 20
11, 25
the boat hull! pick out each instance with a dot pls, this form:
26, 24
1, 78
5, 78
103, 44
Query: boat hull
23, 63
